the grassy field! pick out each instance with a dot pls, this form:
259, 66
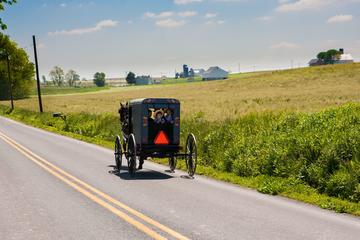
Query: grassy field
305, 90
295, 133
51, 90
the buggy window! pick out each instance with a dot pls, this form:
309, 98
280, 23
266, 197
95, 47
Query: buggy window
160, 119
161, 115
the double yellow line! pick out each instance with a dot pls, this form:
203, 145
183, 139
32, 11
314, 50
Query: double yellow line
97, 196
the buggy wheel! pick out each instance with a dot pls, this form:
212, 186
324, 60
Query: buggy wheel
118, 153
172, 163
131, 154
191, 154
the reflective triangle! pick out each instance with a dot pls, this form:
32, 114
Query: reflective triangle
161, 139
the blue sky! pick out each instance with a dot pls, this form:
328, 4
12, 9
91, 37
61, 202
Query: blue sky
158, 36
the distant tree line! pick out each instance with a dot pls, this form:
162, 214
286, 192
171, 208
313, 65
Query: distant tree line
59, 78
71, 78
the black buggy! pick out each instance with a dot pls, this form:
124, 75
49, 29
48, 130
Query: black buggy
151, 128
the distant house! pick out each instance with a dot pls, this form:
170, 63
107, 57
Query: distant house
144, 80
344, 58
214, 73
316, 62
116, 82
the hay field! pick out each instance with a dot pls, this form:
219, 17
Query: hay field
306, 90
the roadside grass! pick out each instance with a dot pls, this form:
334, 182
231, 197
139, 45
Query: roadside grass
297, 90
51, 90
313, 157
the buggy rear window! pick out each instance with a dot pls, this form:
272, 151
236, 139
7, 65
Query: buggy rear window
164, 115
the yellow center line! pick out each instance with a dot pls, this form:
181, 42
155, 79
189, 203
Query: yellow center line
42, 162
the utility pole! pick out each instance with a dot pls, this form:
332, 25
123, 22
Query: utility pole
10, 82
37, 75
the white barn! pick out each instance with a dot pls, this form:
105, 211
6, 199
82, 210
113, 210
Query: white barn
214, 73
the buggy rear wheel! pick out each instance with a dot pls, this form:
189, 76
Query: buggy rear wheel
172, 163
118, 153
191, 154
131, 154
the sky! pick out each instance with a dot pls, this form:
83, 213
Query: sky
156, 37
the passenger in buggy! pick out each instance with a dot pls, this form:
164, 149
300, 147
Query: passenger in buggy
159, 116
168, 116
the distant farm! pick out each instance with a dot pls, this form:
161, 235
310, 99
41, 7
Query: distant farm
307, 89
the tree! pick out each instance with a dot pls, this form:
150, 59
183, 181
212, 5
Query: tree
329, 56
72, 77
130, 78
99, 79
21, 70
2, 8
57, 76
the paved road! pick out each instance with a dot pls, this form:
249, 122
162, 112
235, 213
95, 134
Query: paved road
54, 187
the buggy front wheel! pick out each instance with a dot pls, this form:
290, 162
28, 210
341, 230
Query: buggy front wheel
131, 154
191, 154
118, 153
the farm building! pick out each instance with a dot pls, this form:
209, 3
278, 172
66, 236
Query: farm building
144, 80
316, 62
344, 58
116, 82
214, 73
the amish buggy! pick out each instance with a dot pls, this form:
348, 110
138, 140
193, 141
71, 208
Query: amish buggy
150, 127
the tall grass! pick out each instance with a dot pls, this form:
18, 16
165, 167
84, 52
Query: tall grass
321, 150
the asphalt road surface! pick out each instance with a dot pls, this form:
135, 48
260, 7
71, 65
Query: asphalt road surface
54, 187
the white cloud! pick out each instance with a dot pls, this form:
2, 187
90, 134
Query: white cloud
340, 19
264, 18
212, 22
187, 14
284, 45
170, 23
230, 1
79, 31
211, 15
183, 2
300, 5
63, 5
166, 14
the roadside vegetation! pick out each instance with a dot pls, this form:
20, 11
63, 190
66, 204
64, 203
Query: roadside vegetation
313, 157
294, 133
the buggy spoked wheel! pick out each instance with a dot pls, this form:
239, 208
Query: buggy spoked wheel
172, 163
118, 153
191, 154
131, 154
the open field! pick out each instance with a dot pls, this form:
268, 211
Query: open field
51, 90
304, 90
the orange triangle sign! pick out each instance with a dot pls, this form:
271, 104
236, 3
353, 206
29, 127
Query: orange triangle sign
161, 139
